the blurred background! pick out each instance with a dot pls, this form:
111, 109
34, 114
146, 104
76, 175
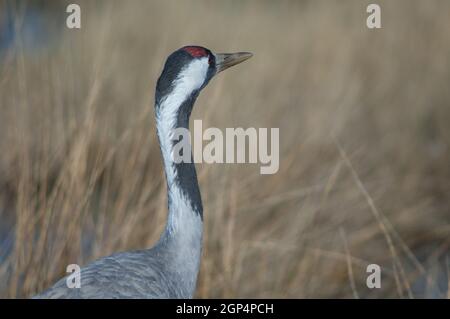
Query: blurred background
364, 143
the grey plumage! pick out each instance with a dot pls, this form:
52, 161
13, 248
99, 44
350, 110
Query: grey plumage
137, 274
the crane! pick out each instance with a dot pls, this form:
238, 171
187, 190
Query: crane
169, 269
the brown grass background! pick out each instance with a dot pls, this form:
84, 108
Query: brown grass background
364, 145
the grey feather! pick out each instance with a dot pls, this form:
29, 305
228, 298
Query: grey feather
137, 274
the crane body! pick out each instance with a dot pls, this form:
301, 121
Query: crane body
170, 268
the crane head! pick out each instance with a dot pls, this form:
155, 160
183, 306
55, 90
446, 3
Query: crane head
192, 67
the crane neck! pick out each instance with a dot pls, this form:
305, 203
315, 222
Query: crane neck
184, 229
182, 183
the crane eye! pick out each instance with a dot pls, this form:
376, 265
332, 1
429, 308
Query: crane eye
210, 59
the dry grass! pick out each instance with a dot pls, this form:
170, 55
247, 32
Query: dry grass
364, 131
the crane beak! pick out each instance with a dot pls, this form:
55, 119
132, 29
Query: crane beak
226, 60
